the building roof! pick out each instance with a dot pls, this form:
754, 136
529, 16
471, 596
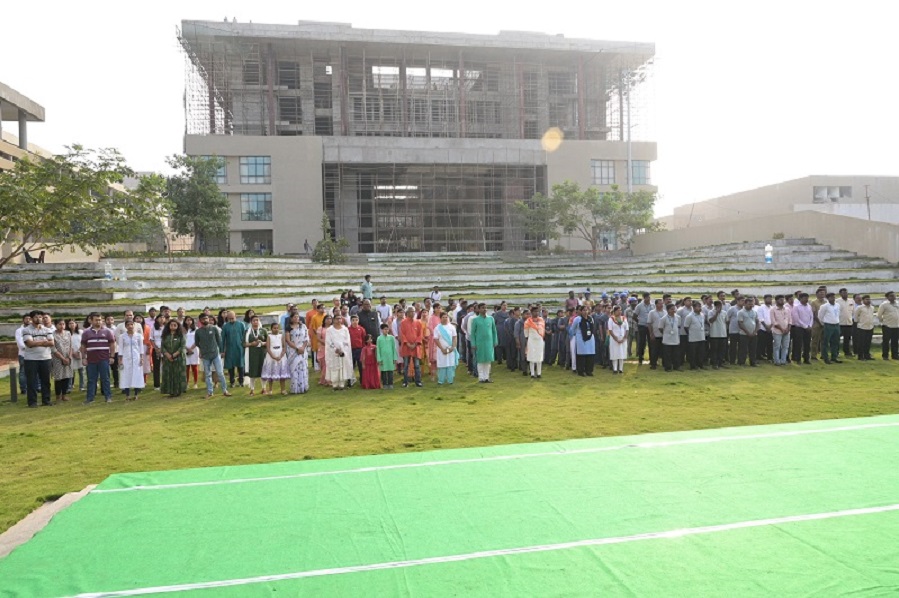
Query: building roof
345, 32
11, 101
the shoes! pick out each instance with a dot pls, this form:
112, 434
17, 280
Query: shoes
837, 361
488, 381
32, 405
807, 362
226, 394
539, 376
419, 384
405, 384
109, 399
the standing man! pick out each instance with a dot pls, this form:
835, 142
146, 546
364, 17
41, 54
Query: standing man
864, 318
641, 314
748, 322
685, 310
733, 330
483, 337
655, 335
38, 341
781, 322
212, 348
561, 338
888, 314
470, 312
521, 342
694, 324
801, 332
383, 310
435, 294
669, 333
411, 337
20, 344
500, 315
829, 316
817, 327
765, 342
369, 319
847, 311
717, 319
97, 345
367, 290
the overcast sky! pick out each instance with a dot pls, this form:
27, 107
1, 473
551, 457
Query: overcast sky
745, 94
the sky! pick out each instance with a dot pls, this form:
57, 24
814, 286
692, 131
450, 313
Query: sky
744, 94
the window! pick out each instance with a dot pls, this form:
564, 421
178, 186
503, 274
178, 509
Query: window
830, 194
603, 172
640, 172
323, 125
256, 207
251, 73
255, 170
221, 175
291, 111
561, 83
289, 74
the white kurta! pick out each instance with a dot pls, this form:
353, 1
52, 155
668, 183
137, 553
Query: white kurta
445, 360
618, 350
190, 341
535, 345
339, 369
131, 348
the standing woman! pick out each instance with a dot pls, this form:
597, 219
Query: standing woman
339, 355
192, 358
77, 365
584, 332
174, 383
433, 322
141, 326
447, 356
156, 335
322, 334
131, 361
254, 343
423, 316
275, 365
248, 317
618, 339
233, 333
297, 340
61, 366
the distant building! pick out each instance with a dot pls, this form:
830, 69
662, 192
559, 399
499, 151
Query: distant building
15, 107
407, 140
873, 198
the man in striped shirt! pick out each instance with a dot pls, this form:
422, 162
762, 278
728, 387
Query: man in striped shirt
97, 347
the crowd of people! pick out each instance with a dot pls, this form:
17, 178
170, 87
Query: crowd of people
403, 342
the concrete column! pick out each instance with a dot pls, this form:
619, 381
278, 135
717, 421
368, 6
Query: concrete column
23, 130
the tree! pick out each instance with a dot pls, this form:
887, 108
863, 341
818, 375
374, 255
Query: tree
588, 213
538, 219
198, 207
69, 201
329, 250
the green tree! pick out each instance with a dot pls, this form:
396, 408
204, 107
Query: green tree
74, 200
198, 206
538, 219
329, 250
587, 213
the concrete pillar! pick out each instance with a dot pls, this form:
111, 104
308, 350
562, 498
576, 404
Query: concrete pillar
23, 130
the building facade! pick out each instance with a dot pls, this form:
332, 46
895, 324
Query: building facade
408, 141
874, 198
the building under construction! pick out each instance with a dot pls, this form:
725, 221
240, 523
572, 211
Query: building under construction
409, 141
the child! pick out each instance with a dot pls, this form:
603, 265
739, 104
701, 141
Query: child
357, 341
387, 357
192, 354
370, 367
275, 365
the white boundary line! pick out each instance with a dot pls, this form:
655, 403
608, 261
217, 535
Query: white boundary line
455, 558
639, 445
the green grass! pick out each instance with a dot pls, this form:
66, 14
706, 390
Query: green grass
50, 451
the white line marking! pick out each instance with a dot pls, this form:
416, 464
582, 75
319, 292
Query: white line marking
640, 445
455, 558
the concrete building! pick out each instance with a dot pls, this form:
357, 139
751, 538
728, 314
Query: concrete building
874, 198
20, 109
407, 140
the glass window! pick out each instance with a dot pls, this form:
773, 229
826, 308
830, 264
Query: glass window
603, 172
221, 175
256, 207
640, 172
255, 170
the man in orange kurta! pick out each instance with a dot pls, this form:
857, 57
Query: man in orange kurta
411, 337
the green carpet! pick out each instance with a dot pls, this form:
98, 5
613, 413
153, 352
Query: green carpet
181, 528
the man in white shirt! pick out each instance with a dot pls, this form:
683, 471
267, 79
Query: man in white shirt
766, 341
435, 295
384, 309
38, 341
847, 310
829, 316
23, 379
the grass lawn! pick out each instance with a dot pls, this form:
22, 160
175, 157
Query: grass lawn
50, 451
